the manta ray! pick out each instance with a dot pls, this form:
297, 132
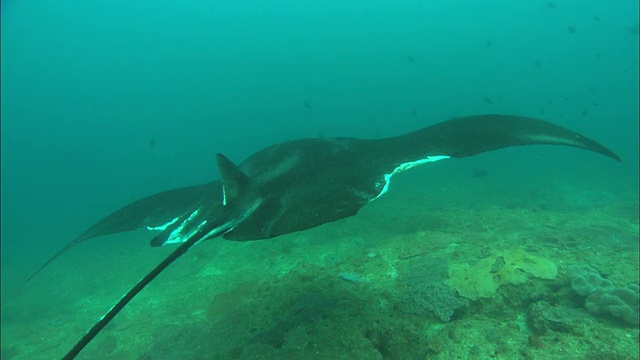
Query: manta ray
301, 184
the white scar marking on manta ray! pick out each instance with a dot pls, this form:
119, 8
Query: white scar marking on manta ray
406, 166
162, 227
176, 236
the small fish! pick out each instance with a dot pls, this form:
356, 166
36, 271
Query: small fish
487, 100
537, 64
571, 29
415, 113
152, 142
307, 105
585, 113
411, 59
488, 44
480, 173
551, 5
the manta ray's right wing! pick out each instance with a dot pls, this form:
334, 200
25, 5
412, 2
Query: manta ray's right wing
473, 135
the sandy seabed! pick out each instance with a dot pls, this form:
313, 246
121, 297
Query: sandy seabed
375, 286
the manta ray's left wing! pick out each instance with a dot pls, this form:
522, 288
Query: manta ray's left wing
151, 212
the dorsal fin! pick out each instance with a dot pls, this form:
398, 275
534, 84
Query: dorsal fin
234, 181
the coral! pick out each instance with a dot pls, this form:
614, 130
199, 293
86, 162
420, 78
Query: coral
426, 270
620, 302
535, 317
436, 299
586, 280
426, 293
509, 267
602, 296
541, 317
296, 339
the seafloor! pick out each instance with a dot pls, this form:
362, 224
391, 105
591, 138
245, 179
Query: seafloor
472, 264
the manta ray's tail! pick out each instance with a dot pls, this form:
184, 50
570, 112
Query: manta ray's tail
55, 256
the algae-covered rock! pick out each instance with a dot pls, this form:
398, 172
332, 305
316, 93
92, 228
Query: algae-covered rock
473, 282
507, 267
